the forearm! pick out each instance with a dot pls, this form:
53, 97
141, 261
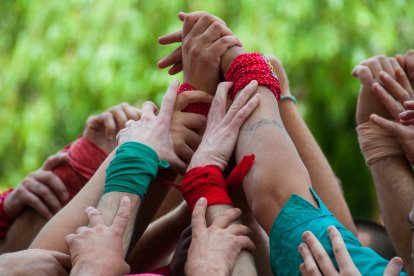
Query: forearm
244, 264
72, 215
394, 183
322, 177
156, 243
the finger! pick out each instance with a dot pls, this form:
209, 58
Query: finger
244, 113
394, 63
338, 246
203, 23
374, 66
198, 217
245, 242
119, 116
148, 110
55, 160
390, 126
82, 230
168, 101
190, 97
394, 88
109, 124
190, 19
394, 267
409, 104
407, 115
403, 80
94, 216
386, 65
171, 38
226, 217
69, 239
45, 195
63, 259
308, 260
52, 181
407, 122
195, 122
303, 270
174, 57
176, 68
192, 139
221, 45
392, 105
218, 106
131, 112
364, 74
184, 151
401, 60
239, 230
409, 62
38, 205
241, 99
319, 254
121, 219
214, 32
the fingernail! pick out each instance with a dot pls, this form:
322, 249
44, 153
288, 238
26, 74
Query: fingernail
398, 262
202, 200
305, 235
301, 247
330, 229
65, 196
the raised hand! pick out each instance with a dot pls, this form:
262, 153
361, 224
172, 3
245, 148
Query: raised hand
41, 190
88, 244
187, 128
205, 38
368, 72
393, 93
316, 260
102, 129
214, 249
155, 130
223, 128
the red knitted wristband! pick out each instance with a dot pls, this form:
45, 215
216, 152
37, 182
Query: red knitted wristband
5, 220
252, 66
205, 182
198, 108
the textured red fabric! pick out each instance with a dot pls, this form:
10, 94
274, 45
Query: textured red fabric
84, 159
235, 179
198, 108
252, 66
5, 221
208, 182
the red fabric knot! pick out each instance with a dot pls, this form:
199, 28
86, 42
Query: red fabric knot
209, 182
198, 108
252, 66
5, 220
84, 159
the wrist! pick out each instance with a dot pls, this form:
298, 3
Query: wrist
229, 56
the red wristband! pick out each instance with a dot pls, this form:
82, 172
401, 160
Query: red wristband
198, 108
252, 66
205, 182
209, 182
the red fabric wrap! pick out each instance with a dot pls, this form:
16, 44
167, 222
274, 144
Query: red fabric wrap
252, 66
5, 220
209, 182
84, 159
198, 108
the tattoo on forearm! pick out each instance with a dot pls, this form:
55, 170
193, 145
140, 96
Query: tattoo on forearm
263, 122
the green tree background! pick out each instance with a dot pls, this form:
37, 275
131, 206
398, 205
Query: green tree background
61, 61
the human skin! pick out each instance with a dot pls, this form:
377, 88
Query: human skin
393, 176
323, 178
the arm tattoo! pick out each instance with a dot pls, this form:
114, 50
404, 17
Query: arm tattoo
263, 122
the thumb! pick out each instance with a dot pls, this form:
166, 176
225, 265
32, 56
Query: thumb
394, 267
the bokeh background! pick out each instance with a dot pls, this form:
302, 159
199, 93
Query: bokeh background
61, 61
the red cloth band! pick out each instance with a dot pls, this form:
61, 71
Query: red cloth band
198, 108
252, 66
205, 182
209, 182
84, 159
5, 220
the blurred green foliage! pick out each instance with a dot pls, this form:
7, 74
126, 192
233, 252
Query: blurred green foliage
61, 61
